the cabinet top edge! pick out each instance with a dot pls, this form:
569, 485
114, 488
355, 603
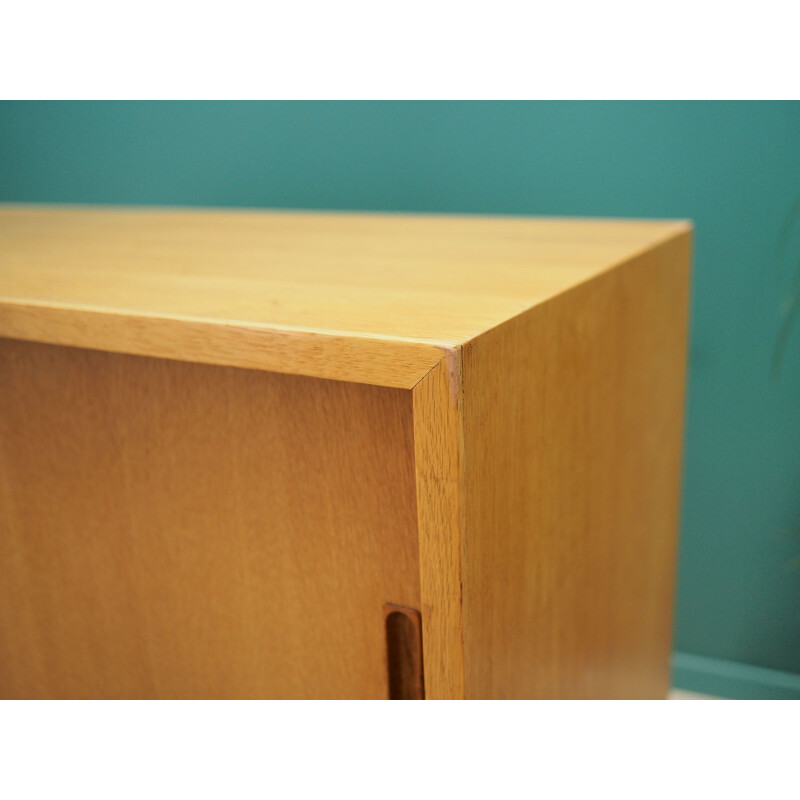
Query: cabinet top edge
290, 290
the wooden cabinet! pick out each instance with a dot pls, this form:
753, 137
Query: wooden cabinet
250, 454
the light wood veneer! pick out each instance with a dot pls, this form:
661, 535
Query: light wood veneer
230, 440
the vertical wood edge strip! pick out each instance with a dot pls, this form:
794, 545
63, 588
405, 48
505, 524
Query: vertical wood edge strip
437, 446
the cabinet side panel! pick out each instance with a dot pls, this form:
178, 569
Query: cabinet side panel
177, 530
573, 419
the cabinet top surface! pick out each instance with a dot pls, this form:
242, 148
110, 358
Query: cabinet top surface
438, 280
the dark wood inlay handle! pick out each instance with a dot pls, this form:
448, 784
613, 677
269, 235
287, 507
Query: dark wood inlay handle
404, 653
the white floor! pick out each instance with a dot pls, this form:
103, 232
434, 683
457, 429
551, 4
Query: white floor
680, 694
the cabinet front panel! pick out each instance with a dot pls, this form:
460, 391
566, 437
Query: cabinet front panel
175, 530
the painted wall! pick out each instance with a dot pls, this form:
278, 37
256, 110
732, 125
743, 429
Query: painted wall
733, 168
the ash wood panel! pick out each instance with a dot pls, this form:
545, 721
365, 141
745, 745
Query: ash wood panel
183, 530
437, 442
572, 448
291, 292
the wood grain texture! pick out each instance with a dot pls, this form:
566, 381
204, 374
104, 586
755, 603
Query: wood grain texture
365, 297
186, 515
173, 530
381, 362
437, 444
571, 459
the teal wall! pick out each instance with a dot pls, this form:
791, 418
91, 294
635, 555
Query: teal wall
733, 168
